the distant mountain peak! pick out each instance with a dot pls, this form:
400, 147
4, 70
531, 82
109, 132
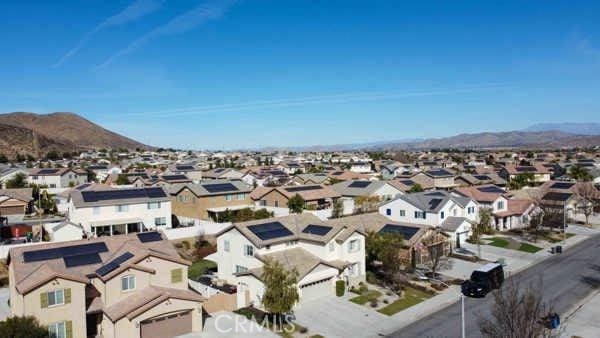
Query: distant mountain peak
577, 128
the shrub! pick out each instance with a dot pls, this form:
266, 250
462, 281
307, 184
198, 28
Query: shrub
363, 288
186, 245
374, 303
340, 287
385, 301
303, 330
371, 278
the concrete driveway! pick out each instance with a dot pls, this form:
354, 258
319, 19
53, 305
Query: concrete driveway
338, 317
4, 308
458, 268
228, 324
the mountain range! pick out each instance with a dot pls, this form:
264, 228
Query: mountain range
36, 134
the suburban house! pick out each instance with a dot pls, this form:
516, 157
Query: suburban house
391, 171
406, 183
15, 203
360, 167
339, 175
265, 177
291, 168
540, 173
380, 189
507, 213
120, 211
57, 177
317, 178
466, 179
438, 178
132, 286
563, 196
454, 214
8, 173
321, 253
189, 170
222, 174
208, 199
316, 197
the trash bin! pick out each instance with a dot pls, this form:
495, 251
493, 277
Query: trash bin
559, 249
553, 250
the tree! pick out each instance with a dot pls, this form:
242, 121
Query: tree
579, 173
415, 188
520, 181
588, 197
22, 327
52, 155
516, 312
122, 180
18, 181
435, 251
296, 204
281, 291
385, 248
482, 227
338, 209
3, 158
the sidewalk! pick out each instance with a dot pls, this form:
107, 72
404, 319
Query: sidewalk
583, 319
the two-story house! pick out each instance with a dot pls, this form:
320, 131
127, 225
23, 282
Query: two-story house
439, 178
320, 252
208, 199
315, 196
106, 211
132, 286
454, 214
539, 173
54, 178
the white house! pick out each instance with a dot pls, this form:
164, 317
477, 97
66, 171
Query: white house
64, 231
360, 167
109, 211
453, 214
55, 178
321, 252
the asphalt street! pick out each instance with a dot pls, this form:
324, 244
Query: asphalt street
566, 280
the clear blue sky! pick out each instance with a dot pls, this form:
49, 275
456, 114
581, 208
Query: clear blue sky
227, 74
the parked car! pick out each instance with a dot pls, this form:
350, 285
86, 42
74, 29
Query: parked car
483, 280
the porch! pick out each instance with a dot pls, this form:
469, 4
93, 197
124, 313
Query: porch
116, 227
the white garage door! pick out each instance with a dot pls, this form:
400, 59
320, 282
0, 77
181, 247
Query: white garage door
316, 290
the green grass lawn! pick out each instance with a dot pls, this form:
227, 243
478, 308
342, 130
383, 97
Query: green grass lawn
199, 268
498, 241
366, 297
529, 248
411, 297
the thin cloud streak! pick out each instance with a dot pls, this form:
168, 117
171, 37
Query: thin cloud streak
180, 24
293, 102
133, 12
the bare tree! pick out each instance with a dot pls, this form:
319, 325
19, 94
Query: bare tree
435, 252
517, 312
587, 198
482, 227
549, 213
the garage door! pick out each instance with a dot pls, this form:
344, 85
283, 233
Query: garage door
12, 210
167, 326
316, 290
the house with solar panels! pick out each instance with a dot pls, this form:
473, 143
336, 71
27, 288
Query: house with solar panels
132, 286
222, 174
438, 178
316, 196
539, 172
454, 214
209, 199
57, 178
107, 212
189, 170
467, 179
321, 252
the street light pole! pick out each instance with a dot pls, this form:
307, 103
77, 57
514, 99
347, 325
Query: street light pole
462, 310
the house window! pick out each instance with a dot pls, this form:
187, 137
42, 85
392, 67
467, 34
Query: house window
248, 250
34, 177
160, 221
354, 269
241, 197
228, 197
57, 330
402, 213
454, 211
353, 245
128, 283
442, 215
121, 208
331, 246
240, 269
226, 245
276, 204
154, 205
56, 297
501, 205
388, 212
420, 214
52, 185
96, 211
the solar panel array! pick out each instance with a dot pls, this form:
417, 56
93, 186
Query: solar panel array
65, 251
270, 230
150, 236
491, 189
184, 167
483, 177
47, 171
174, 177
407, 232
219, 187
557, 196
439, 172
304, 188
85, 259
320, 230
83, 186
107, 195
114, 264
408, 182
434, 193
433, 203
359, 184
562, 185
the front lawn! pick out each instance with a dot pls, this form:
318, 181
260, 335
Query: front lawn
498, 241
366, 296
529, 248
200, 268
409, 298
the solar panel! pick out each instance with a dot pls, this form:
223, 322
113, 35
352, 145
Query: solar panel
219, 170
219, 187
47, 171
482, 177
270, 230
562, 185
491, 189
433, 203
406, 231
83, 186
150, 236
304, 188
107, 195
439, 172
174, 177
54, 253
314, 229
114, 264
408, 182
184, 167
85, 259
557, 196
359, 184
434, 193
155, 192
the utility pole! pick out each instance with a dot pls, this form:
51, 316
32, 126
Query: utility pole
462, 310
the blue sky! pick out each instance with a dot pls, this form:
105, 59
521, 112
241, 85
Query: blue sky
236, 74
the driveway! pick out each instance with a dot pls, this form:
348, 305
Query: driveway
4, 308
228, 324
515, 260
459, 268
337, 317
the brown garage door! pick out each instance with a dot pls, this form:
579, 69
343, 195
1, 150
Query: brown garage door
167, 326
12, 210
